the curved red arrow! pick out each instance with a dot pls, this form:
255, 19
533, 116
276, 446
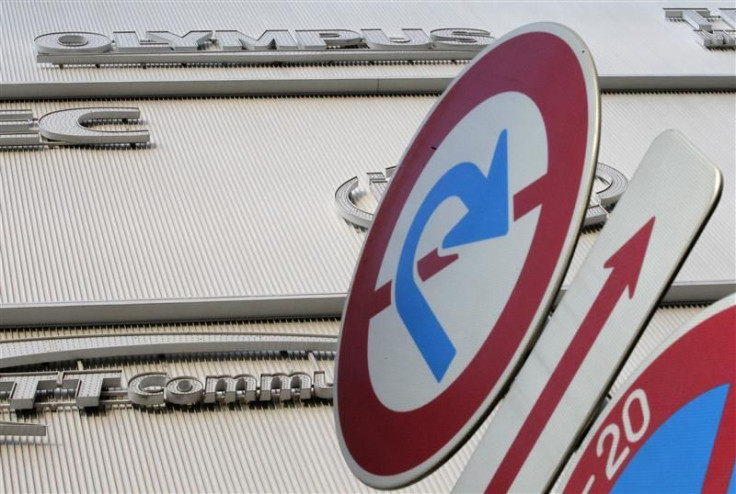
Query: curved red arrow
625, 267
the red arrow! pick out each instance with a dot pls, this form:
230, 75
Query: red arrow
433, 263
625, 267
428, 266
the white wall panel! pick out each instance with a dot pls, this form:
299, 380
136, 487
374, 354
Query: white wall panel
260, 448
234, 197
272, 449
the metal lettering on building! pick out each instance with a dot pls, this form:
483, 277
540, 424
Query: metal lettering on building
716, 28
272, 46
356, 203
95, 388
74, 126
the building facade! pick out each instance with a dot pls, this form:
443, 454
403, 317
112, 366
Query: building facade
175, 248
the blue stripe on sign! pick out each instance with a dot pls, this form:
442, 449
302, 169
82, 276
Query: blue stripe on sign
675, 458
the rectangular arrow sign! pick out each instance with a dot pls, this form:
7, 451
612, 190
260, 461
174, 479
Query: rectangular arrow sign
594, 328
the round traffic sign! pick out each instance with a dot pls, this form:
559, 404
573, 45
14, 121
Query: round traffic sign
672, 427
466, 253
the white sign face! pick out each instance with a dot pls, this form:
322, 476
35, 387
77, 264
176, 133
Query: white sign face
401, 377
466, 253
616, 290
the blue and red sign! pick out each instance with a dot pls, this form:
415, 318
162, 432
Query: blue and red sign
466, 253
673, 427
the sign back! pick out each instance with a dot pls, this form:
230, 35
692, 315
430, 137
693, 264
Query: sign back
466, 253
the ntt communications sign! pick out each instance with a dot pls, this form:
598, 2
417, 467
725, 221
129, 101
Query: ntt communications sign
283, 46
153, 389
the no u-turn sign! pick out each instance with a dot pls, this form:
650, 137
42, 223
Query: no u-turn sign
466, 253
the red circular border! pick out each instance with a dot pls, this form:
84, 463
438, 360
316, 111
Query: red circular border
698, 361
544, 67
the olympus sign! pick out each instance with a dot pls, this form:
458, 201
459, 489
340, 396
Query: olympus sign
69, 127
355, 203
283, 46
153, 389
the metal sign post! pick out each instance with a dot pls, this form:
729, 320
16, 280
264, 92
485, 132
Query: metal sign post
673, 425
466, 253
592, 331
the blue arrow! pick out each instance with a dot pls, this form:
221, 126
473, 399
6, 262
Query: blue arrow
486, 199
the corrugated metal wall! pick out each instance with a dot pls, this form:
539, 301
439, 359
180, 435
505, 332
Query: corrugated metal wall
255, 448
645, 44
235, 197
